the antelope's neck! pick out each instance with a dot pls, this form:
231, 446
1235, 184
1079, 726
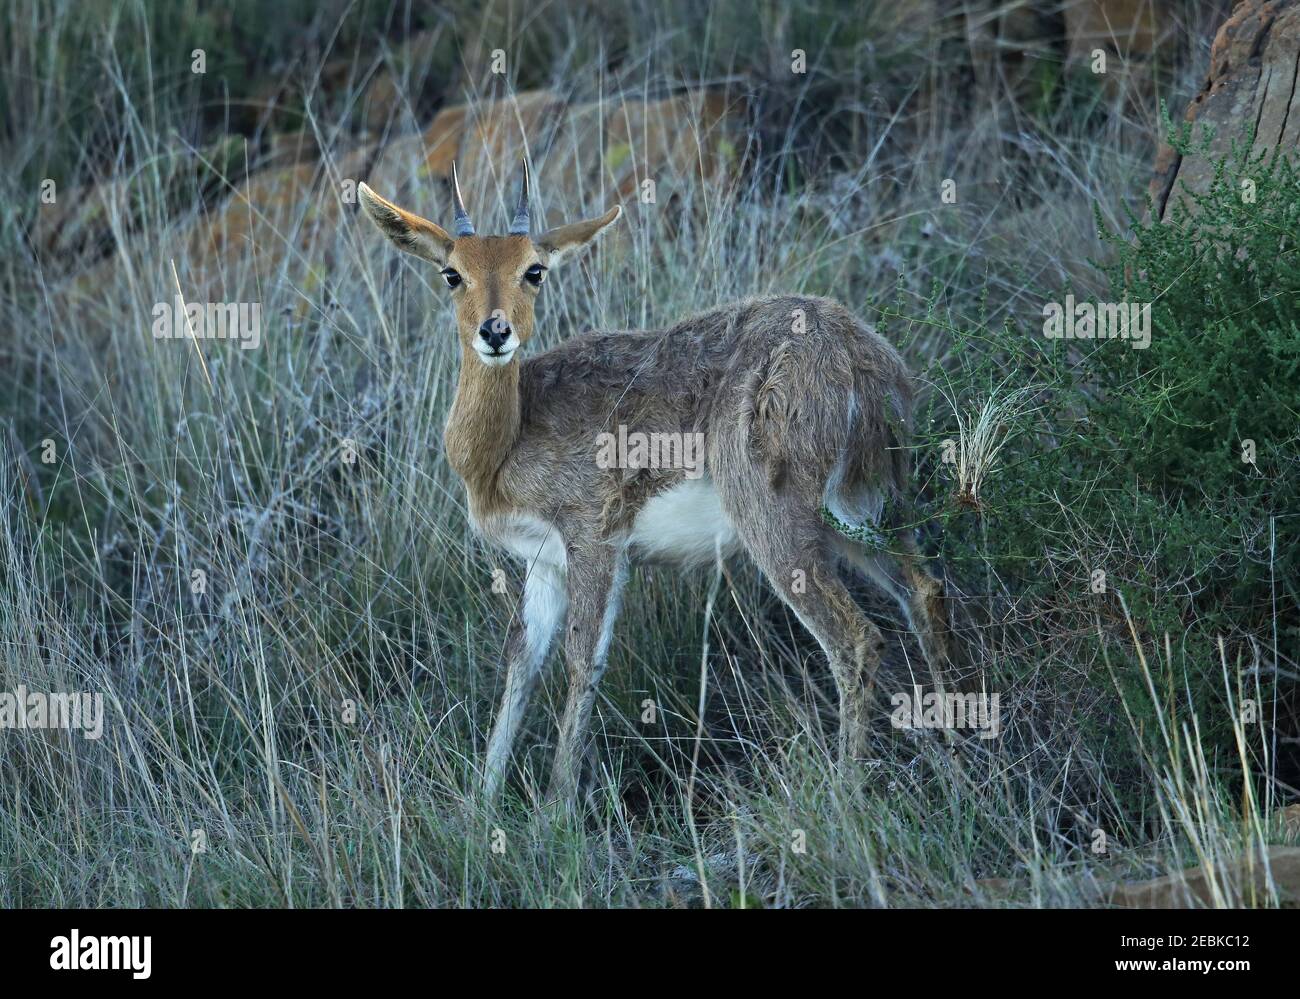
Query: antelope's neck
482, 429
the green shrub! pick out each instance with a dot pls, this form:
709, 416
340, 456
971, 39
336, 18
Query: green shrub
1130, 461
1223, 370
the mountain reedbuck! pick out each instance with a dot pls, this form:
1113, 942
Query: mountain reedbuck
801, 409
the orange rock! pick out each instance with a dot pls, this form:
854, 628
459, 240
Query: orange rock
695, 136
442, 140
269, 220
1251, 79
498, 133
290, 148
1290, 817
284, 221
568, 177
583, 154
1123, 27
1243, 881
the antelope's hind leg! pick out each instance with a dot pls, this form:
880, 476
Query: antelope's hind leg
795, 551
920, 596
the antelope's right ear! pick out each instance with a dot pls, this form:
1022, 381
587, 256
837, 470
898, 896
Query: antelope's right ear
409, 232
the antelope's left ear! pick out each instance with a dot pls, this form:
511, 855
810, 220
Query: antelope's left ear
566, 240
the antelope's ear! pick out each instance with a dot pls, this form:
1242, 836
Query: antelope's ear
563, 241
408, 231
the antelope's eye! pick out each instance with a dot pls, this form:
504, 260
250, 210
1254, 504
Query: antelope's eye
534, 275
451, 277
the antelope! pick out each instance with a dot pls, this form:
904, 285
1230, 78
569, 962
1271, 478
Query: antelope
802, 407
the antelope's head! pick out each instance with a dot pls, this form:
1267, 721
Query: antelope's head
494, 280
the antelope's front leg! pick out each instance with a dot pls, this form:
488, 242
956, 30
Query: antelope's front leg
596, 578
529, 641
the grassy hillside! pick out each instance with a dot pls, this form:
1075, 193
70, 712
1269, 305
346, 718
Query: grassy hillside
262, 561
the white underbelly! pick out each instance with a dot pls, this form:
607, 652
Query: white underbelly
529, 538
684, 524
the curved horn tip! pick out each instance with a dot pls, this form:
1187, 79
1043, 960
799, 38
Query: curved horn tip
464, 225
521, 225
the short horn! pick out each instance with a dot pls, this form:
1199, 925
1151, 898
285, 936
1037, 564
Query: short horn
520, 226
463, 226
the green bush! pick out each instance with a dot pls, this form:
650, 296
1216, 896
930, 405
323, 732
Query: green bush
1223, 370
1130, 461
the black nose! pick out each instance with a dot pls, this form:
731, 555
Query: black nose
494, 332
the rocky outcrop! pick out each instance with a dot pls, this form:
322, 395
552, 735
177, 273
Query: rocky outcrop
1290, 820
1249, 880
1251, 82
1127, 28
291, 221
583, 153
1022, 45
85, 222
613, 144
